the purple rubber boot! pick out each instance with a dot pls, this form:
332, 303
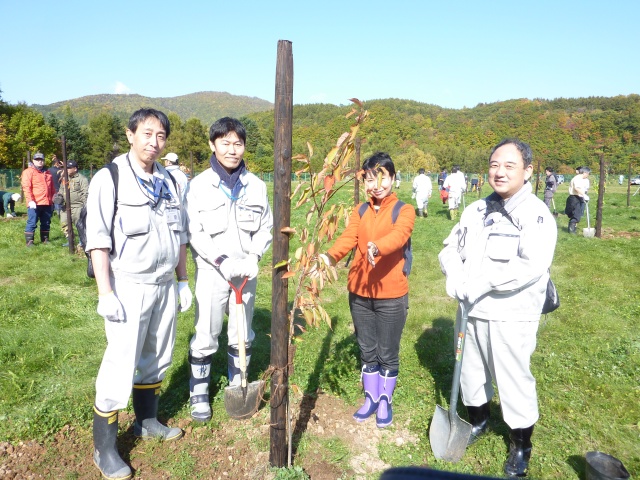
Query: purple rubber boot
371, 394
386, 386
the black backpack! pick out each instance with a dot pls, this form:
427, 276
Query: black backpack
81, 224
407, 252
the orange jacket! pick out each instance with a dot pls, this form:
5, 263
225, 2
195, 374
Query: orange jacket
37, 186
386, 280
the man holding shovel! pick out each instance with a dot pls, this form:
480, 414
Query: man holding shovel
230, 225
497, 261
551, 185
574, 207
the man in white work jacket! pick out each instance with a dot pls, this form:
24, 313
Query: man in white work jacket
497, 261
136, 234
230, 225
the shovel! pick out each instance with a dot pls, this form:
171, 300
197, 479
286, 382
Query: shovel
555, 212
588, 232
449, 434
242, 401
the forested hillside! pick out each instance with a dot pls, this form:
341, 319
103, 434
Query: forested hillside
206, 106
564, 133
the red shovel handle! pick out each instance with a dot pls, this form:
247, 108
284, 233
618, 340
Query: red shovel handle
238, 290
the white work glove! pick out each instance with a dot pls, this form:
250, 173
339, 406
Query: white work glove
227, 268
413, 195
184, 295
32, 204
246, 267
469, 292
110, 308
586, 197
372, 252
452, 285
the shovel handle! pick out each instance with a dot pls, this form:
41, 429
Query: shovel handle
455, 386
241, 323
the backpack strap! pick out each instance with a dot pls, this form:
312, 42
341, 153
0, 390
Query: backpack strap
115, 176
363, 208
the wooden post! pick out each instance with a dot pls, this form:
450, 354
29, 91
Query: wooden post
629, 187
600, 198
65, 179
192, 173
538, 178
283, 131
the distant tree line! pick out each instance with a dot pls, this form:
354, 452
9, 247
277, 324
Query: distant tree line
563, 133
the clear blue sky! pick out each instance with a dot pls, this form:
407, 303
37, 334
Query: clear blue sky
449, 53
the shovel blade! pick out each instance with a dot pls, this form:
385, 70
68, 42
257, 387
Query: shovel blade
241, 403
448, 435
589, 232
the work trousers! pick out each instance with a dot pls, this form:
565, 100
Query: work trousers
379, 324
548, 196
422, 200
140, 348
501, 351
214, 298
41, 213
454, 200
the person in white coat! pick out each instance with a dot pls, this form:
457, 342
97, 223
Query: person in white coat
136, 235
230, 225
422, 189
455, 184
497, 261
173, 167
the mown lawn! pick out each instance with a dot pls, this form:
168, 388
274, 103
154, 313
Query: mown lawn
587, 363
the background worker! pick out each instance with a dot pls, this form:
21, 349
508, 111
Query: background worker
497, 260
37, 185
56, 171
551, 185
136, 247
455, 184
378, 286
173, 167
574, 207
78, 193
8, 204
422, 189
230, 224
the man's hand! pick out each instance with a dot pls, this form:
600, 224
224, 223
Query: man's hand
227, 269
32, 204
110, 308
247, 267
184, 295
586, 197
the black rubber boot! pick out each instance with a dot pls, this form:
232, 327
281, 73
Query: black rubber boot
479, 419
200, 369
145, 406
44, 237
420, 213
28, 237
424, 212
517, 464
105, 451
572, 228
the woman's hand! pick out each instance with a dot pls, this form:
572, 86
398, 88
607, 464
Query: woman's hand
372, 253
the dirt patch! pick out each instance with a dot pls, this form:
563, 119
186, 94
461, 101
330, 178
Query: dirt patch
232, 450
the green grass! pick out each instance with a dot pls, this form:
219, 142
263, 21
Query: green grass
587, 363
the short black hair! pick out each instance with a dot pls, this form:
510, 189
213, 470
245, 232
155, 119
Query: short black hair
224, 126
421, 171
379, 159
142, 114
523, 148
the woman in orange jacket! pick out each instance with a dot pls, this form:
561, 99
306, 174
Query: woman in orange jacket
378, 287
37, 185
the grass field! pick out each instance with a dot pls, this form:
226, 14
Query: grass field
587, 363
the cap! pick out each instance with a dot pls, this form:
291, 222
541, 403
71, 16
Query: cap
171, 157
38, 156
72, 164
15, 197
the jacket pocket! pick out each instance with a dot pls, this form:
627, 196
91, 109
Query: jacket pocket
214, 218
248, 217
502, 247
134, 219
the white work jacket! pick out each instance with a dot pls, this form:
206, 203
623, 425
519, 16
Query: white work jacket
508, 264
220, 225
